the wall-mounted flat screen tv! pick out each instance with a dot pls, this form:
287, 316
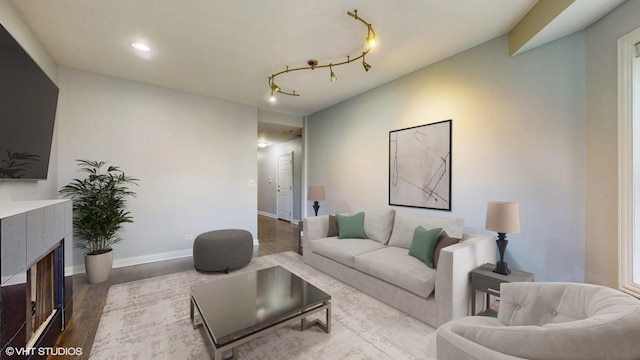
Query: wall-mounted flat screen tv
28, 100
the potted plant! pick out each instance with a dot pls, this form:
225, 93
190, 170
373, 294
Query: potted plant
99, 210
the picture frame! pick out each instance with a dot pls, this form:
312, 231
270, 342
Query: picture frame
420, 166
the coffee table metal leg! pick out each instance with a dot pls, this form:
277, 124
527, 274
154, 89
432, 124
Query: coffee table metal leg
324, 326
196, 318
328, 320
219, 354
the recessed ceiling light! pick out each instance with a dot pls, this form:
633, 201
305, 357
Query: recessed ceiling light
262, 144
141, 47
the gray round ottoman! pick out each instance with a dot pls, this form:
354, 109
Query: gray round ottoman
222, 250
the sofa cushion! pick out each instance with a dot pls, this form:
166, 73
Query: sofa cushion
343, 250
423, 245
405, 224
351, 226
378, 224
395, 266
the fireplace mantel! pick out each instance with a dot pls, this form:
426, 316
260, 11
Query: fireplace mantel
29, 230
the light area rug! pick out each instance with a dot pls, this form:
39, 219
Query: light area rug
149, 319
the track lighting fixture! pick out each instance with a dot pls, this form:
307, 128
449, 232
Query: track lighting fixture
313, 64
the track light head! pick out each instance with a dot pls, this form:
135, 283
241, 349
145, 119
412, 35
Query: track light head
371, 37
371, 41
333, 76
364, 63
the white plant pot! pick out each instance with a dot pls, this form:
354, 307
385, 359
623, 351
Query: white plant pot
98, 267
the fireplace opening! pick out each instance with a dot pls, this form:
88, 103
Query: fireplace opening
40, 297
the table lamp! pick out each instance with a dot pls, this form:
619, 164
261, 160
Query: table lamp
315, 194
503, 218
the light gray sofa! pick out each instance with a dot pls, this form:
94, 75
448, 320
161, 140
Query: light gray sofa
382, 267
550, 321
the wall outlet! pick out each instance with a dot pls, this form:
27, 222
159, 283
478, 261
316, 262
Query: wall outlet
188, 237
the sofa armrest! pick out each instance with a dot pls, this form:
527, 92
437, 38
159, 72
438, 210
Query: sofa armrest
451, 346
315, 227
453, 287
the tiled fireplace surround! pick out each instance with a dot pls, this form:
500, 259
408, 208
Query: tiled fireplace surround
36, 247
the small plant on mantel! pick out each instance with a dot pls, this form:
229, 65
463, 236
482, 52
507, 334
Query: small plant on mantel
17, 164
99, 210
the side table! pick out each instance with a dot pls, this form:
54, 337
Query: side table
483, 279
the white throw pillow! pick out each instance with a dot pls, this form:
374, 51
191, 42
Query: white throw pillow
378, 224
406, 223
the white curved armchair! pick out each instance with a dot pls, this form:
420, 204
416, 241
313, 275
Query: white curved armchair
549, 321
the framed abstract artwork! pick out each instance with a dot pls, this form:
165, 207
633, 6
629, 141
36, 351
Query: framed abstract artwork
420, 166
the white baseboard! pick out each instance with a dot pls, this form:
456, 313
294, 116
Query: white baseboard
274, 216
264, 213
145, 259
137, 260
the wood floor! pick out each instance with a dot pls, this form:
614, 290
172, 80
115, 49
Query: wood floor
275, 236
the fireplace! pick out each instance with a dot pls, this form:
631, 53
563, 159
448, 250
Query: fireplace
35, 296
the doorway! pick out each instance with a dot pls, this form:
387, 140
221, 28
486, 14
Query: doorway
280, 143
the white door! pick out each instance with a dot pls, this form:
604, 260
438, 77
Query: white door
285, 190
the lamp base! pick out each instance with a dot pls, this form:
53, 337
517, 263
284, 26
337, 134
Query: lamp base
502, 268
316, 207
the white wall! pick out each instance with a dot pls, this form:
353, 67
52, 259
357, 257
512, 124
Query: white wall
268, 168
12, 190
518, 135
194, 157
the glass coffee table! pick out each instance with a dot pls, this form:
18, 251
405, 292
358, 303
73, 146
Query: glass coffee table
240, 308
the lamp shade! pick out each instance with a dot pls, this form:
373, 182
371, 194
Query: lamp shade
503, 217
316, 193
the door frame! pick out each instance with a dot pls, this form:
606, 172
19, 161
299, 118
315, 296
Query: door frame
626, 233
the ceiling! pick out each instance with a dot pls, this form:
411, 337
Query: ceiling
272, 134
228, 48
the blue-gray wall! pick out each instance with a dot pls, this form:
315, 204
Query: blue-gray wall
519, 134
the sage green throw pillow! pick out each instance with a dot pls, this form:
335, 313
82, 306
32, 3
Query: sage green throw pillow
351, 226
423, 244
